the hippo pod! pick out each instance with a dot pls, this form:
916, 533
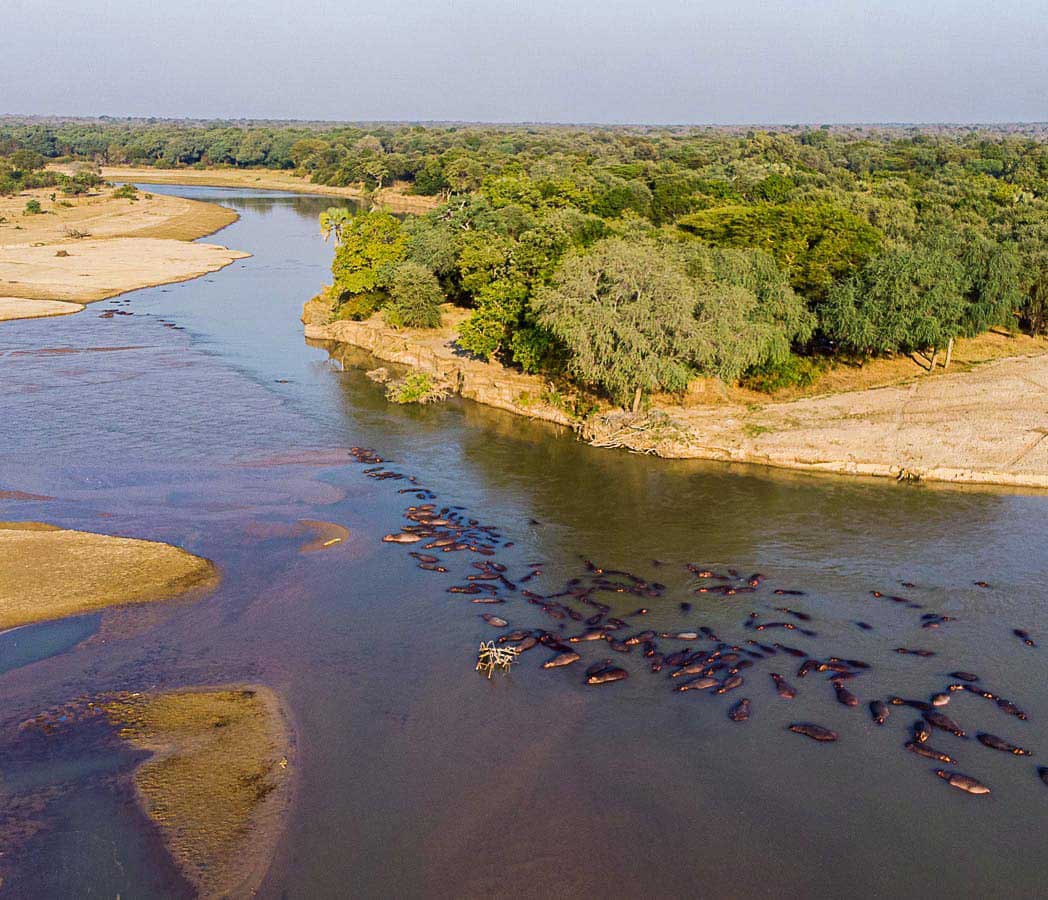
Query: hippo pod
962, 782
996, 743
815, 732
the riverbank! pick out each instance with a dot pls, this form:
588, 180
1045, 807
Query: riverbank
217, 782
393, 198
83, 249
47, 572
986, 425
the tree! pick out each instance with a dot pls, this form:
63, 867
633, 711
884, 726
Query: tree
904, 300
333, 220
415, 297
372, 246
814, 243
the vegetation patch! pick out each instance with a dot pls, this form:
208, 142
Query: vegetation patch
418, 387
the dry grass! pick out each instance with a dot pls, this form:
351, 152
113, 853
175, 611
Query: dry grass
876, 373
48, 572
217, 781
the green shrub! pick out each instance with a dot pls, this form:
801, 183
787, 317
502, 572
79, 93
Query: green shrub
415, 297
33, 208
126, 192
794, 371
418, 387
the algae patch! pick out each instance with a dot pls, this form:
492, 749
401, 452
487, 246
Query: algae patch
218, 779
47, 572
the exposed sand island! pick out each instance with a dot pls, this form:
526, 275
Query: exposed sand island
394, 198
89, 248
47, 572
218, 781
983, 422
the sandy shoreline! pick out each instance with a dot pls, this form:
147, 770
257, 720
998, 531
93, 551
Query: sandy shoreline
95, 247
988, 425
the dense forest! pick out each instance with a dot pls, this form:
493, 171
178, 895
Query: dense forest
632, 259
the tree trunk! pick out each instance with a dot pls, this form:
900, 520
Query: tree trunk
935, 356
636, 400
949, 354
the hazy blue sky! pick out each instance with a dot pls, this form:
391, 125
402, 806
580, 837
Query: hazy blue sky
681, 61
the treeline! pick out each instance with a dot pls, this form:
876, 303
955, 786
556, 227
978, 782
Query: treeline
635, 258
635, 262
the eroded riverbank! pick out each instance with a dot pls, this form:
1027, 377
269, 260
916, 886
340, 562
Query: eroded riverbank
983, 426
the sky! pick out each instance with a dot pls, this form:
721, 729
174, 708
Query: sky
573, 61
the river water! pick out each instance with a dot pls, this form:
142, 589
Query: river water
418, 777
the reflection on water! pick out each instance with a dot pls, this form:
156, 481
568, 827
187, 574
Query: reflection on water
417, 776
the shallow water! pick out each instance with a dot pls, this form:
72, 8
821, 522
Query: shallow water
418, 777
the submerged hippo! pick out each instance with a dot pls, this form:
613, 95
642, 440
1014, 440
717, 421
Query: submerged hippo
815, 732
729, 684
564, 658
740, 712
996, 743
929, 752
962, 782
879, 712
783, 687
844, 695
938, 720
607, 676
494, 621
698, 684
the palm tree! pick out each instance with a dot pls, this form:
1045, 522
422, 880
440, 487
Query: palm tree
333, 220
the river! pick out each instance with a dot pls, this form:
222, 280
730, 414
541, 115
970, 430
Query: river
415, 775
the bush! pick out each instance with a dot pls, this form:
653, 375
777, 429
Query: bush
794, 371
415, 297
418, 387
33, 208
126, 192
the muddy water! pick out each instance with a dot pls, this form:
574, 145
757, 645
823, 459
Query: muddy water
418, 777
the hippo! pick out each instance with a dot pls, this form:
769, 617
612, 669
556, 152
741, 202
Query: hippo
996, 743
607, 676
964, 676
940, 699
740, 712
844, 695
729, 684
962, 782
938, 720
783, 687
698, 684
815, 732
879, 712
564, 658
494, 620
929, 752
921, 732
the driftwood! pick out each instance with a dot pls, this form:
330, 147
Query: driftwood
637, 432
490, 657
